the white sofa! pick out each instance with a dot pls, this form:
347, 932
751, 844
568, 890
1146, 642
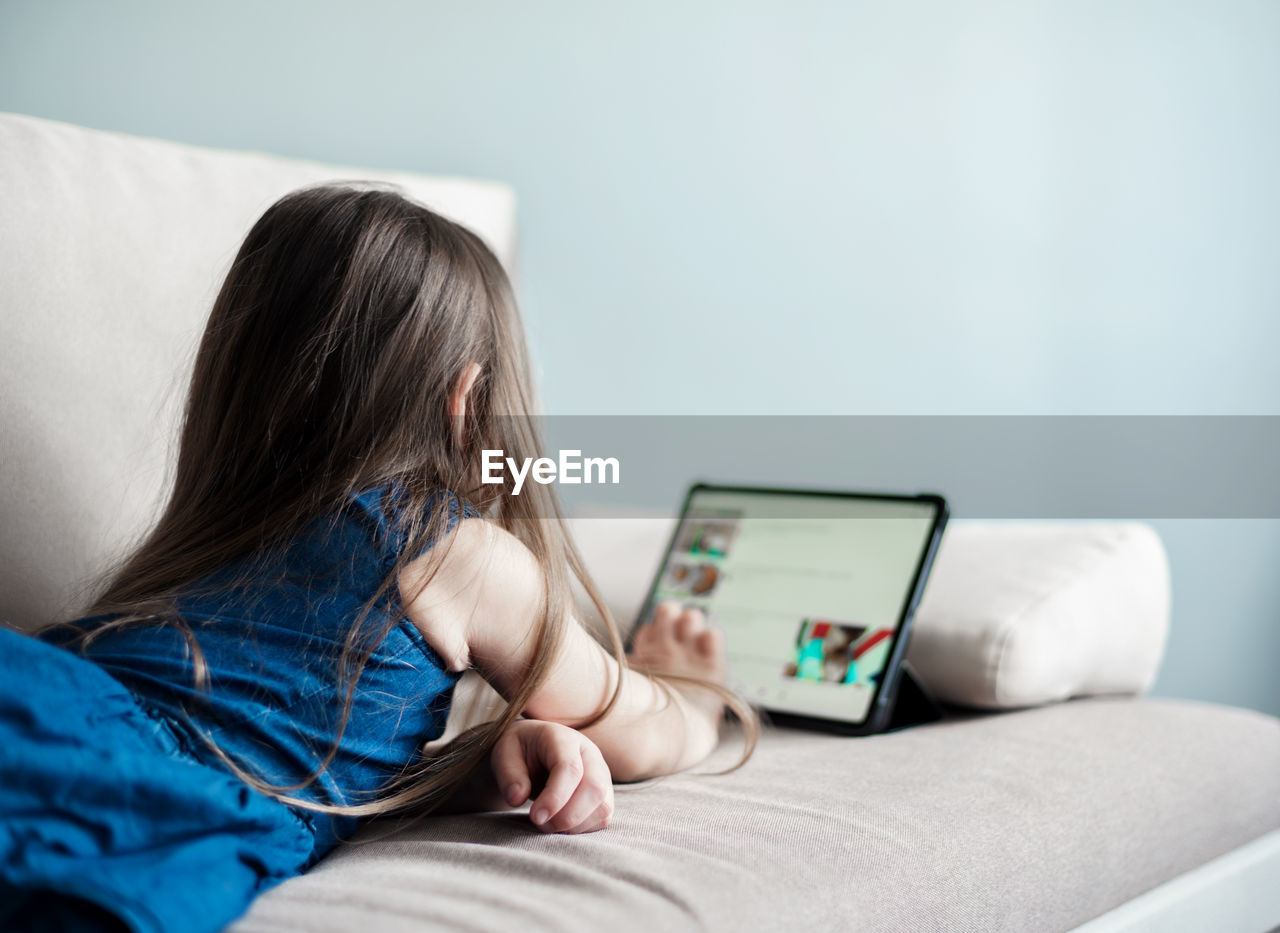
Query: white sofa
1104, 813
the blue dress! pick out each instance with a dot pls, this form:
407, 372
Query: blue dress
111, 803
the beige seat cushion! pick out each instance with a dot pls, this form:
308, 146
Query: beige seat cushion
1032, 820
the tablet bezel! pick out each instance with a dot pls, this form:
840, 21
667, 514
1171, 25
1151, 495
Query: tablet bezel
881, 706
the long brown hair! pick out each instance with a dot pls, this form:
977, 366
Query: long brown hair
324, 370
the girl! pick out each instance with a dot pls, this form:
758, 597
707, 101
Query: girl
266, 666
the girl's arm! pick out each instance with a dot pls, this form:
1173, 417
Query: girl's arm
480, 610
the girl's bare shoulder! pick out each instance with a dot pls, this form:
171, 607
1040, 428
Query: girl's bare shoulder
479, 579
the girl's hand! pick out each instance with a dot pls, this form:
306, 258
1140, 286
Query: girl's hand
678, 641
577, 796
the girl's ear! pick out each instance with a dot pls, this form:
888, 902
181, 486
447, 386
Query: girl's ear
460, 395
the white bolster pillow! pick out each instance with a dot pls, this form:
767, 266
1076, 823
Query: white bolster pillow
1024, 614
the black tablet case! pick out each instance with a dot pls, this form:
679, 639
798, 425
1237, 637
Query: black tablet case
914, 705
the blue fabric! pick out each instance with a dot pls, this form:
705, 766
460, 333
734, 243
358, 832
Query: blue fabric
98, 802
108, 790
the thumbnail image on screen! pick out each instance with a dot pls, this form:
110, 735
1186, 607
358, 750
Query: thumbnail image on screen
709, 535
839, 653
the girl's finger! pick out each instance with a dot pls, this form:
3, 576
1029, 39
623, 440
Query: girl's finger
664, 617
595, 822
594, 792
597, 773
510, 769
710, 641
566, 773
690, 622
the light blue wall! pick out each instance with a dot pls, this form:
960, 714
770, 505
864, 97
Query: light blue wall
748, 207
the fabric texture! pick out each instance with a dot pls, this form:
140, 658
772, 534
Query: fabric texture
112, 248
99, 802
1035, 819
1015, 614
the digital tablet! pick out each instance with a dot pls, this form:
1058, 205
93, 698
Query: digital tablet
814, 591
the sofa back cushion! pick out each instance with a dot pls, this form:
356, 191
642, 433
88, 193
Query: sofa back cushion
112, 249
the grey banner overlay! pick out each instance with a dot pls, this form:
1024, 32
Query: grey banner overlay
1049, 467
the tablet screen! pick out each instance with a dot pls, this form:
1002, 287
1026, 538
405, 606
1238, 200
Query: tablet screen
809, 589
